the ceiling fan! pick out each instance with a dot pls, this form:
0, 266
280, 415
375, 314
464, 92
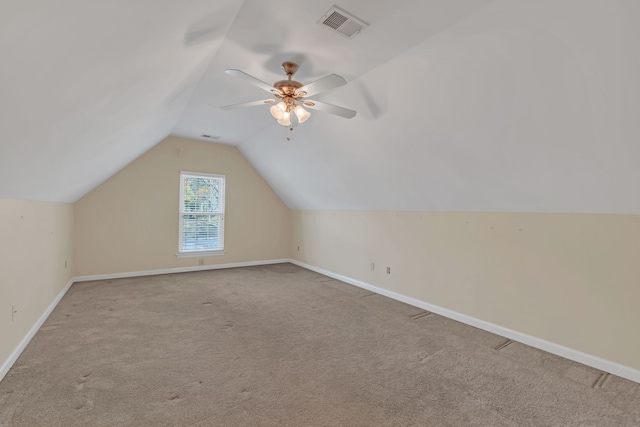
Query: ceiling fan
291, 96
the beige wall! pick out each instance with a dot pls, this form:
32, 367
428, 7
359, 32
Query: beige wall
572, 279
35, 242
130, 222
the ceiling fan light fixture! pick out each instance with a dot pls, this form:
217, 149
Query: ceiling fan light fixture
277, 112
301, 113
286, 119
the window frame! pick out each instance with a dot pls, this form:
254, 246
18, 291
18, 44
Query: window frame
182, 253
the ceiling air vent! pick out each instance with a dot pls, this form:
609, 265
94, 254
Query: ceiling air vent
341, 22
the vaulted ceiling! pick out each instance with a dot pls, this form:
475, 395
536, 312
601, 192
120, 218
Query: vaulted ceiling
463, 105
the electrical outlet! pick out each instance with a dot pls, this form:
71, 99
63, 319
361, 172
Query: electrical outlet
373, 266
14, 311
65, 263
201, 261
388, 270
298, 248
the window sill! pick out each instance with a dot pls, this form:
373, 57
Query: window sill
195, 254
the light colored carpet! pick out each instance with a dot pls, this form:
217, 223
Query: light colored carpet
283, 346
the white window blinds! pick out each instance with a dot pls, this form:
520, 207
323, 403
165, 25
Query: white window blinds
201, 225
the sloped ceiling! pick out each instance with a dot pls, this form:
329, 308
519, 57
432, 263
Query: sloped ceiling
86, 86
463, 105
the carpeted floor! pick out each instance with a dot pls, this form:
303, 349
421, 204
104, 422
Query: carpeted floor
283, 346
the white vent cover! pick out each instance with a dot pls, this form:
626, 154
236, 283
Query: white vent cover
341, 22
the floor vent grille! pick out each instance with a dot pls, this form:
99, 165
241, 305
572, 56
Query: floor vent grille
503, 345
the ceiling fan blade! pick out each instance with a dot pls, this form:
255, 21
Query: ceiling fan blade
329, 108
331, 81
248, 104
246, 77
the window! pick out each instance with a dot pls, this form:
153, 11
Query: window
201, 214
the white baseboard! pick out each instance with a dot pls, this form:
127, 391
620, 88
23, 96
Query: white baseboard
7, 364
568, 353
176, 270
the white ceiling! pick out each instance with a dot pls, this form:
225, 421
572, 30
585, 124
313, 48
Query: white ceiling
463, 105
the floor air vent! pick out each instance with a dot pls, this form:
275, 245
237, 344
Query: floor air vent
341, 22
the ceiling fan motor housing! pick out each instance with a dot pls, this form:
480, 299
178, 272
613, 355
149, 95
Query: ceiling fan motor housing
288, 87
